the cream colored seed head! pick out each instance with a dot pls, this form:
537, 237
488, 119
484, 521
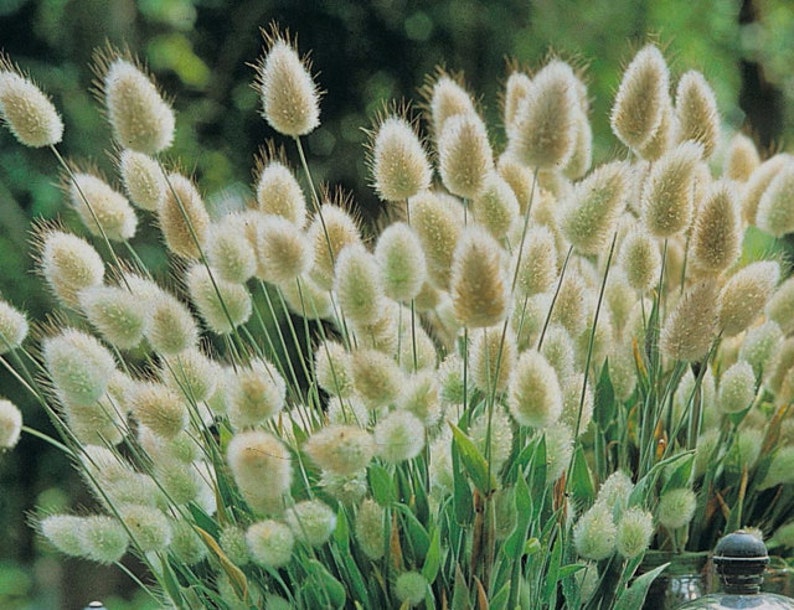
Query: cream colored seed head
13, 327
358, 285
664, 137
447, 99
10, 424
340, 449
192, 374
582, 157
760, 344
716, 237
171, 327
543, 134
776, 207
143, 179
401, 260
779, 366
437, 222
229, 251
254, 394
27, 111
278, 192
676, 508
744, 296
558, 350
570, 308
634, 532
69, 265
667, 195
400, 168
595, 533
689, 329
480, 292
501, 437
78, 365
141, 120
183, 218
262, 468
290, 98
574, 410
306, 298
537, 269
696, 108
641, 260
589, 216
399, 436
339, 230
642, 97
516, 91
496, 206
520, 179
421, 397
376, 377
780, 308
492, 359
270, 543
737, 388
534, 398
116, 313
369, 529
222, 305
311, 521
622, 371
465, 155
332, 369
159, 408
101, 208
283, 251
757, 185
741, 158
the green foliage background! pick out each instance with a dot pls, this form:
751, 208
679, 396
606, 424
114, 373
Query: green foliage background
366, 54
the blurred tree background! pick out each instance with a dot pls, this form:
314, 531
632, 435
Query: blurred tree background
366, 54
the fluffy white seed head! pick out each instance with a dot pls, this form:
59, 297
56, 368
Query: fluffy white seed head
228, 251
634, 531
399, 436
262, 468
401, 260
78, 365
69, 264
780, 308
159, 408
737, 388
492, 359
149, 528
744, 296
103, 539
758, 183
369, 529
447, 99
191, 373
183, 218
696, 108
376, 377
641, 260
776, 207
496, 206
10, 424
270, 543
116, 313
254, 394
312, 522
399, 164
143, 179
410, 588
283, 251
171, 327
716, 236
358, 285
689, 329
141, 120
421, 397
223, 305
741, 158
332, 369
331, 230
664, 137
306, 298
537, 269
760, 344
517, 89
438, 224
534, 398
595, 533
465, 155
26, 110
13, 327
290, 98
101, 208
341, 449
278, 193
63, 532
676, 507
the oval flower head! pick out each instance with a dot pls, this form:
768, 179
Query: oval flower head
399, 164
446, 98
465, 155
290, 98
27, 111
10, 424
140, 118
103, 210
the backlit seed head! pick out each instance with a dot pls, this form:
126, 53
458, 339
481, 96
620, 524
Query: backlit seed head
558, 349
116, 313
312, 522
737, 388
159, 408
149, 528
465, 155
331, 230
664, 137
68, 264
270, 543
306, 298
10, 424
262, 468
437, 221
780, 308
278, 193
544, 132
369, 529
689, 329
13, 327
492, 358
421, 397
183, 218
171, 328
534, 398
341, 449
716, 235
517, 89
776, 207
358, 284
741, 158
376, 377
399, 436
26, 110
223, 305
190, 373
676, 508
234, 257
254, 394
667, 195
696, 108
582, 157
398, 160
641, 99
410, 588
595, 533
101, 208
64, 533
332, 369
521, 180
744, 296
477, 284
537, 269
141, 120
589, 216
290, 97
402, 263
760, 344
634, 532
758, 183
102, 538
143, 179
78, 365
283, 252
496, 206
447, 98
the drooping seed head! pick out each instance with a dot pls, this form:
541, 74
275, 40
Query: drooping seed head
776, 207
676, 508
222, 305
589, 216
760, 344
10, 424
376, 377
290, 97
496, 206
228, 252
398, 160
358, 284
641, 99
183, 218
283, 251
595, 533
667, 201
534, 398
758, 183
270, 543
465, 155
312, 522
438, 223
696, 109
13, 327
741, 158
634, 532
689, 329
254, 394
78, 365
477, 284
116, 313
140, 118
26, 110
278, 192
399, 436
737, 388
331, 230
543, 134
744, 296
159, 408
262, 468
369, 529
143, 179
716, 236
101, 208
641, 260
69, 264
341, 449
780, 308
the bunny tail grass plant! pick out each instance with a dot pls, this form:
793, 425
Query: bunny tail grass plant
531, 376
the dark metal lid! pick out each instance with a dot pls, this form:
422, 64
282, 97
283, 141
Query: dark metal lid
740, 559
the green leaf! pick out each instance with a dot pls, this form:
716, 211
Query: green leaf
517, 538
634, 597
679, 474
644, 487
531, 546
460, 597
464, 508
581, 485
322, 587
168, 580
473, 461
604, 403
415, 533
499, 601
433, 558
553, 567
381, 484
